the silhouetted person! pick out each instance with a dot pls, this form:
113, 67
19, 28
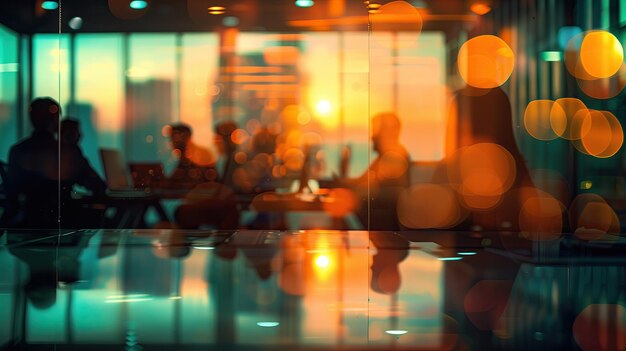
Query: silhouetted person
484, 116
35, 182
226, 147
390, 251
212, 203
70, 137
386, 176
196, 165
73, 161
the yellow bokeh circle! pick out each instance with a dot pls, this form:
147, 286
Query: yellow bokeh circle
601, 54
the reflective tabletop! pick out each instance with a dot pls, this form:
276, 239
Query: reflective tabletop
309, 290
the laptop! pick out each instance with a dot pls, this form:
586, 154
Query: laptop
143, 175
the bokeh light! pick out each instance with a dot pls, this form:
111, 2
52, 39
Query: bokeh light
604, 137
604, 88
322, 107
566, 33
600, 327
485, 169
538, 119
601, 54
429, 206
572, 58
322, 261
394, 16
480, 8
591, 217
568, 118
541, 217
486, 301
485, 61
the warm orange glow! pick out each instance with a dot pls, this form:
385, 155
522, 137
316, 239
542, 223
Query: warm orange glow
605, 136
568, 118
426, 206
239, 136
395, 16
601, 54
591, 218
281, 55
293, 159
340, 203
572, 58
484, 169
485, 61
322, 261
604, 88
538, 119
541, 217
480, 8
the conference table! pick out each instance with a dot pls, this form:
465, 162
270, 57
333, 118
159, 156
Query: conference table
128, 209
165, 289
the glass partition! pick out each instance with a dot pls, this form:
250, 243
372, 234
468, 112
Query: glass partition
197, 116
198, 172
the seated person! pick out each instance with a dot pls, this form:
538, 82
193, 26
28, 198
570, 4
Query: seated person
386, 176
196, 165
70, 137
484, 116
34, 180
212, 203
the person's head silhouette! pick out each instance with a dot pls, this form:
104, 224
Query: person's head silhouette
385, 131
70, 131
223, 137
44, 115
180, 135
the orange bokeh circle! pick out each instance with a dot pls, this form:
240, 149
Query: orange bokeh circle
568, 118
601, 54
538, 119
485, 61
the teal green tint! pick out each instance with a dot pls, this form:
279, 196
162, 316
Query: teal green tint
606, 14
138, 4
51, 67
9, 67
49, 5
552, 56
99, 93
622, 13
304, 3
152, 98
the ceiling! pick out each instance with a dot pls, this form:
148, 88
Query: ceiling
27, 16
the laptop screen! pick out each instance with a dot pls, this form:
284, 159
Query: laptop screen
115, 171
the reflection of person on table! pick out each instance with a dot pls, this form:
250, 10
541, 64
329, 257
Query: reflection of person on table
34, 177
390, 251
386, 176
196, 165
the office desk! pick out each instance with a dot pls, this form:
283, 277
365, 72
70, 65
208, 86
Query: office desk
308, 290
